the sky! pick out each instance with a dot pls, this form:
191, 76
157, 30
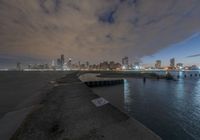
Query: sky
33, 31
186, 52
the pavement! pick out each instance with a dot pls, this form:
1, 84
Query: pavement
68, 113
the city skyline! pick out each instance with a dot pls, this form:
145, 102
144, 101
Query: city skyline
125, 61
65, 64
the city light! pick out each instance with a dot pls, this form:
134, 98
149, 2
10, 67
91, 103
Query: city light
123, 67
66, 64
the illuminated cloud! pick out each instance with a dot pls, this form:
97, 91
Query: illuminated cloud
94, 30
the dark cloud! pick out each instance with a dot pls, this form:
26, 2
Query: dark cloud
94, 29
107, 17
195, 55
50, 6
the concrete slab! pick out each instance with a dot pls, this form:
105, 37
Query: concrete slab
67, 113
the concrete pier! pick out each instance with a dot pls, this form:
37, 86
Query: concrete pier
104, 83
68, 113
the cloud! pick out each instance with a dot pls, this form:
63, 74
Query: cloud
195, 55
94, 30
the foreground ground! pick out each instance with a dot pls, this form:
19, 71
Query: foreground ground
67, 113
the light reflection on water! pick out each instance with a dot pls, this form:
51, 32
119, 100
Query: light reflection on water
127, 99
169, 108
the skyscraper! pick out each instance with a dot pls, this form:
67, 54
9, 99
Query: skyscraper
172, 62
53, 63
79, 64
158, 64
87, 64
19, 67
125, 62
58, 62
62, 60
69, 63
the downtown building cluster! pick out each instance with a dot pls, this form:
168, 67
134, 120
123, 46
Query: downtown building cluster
174, 66
65, 63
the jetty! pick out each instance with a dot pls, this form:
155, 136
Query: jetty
71, 111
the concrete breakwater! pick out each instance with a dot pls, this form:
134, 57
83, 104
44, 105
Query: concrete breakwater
67, 113
104, 83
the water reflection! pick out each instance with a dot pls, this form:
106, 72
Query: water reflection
197, 89
180, 86
127, 98
169, 108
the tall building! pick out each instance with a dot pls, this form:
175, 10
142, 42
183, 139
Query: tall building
58, 62
87, 64
69, 63
53, 63
125, 62
19, 67
158, 64
172, 62
79, 64
136, 65
104, 65
62, 60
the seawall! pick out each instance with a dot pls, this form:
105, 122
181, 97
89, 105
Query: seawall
104, 83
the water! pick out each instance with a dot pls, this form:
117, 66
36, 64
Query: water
18, 87
169, 108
